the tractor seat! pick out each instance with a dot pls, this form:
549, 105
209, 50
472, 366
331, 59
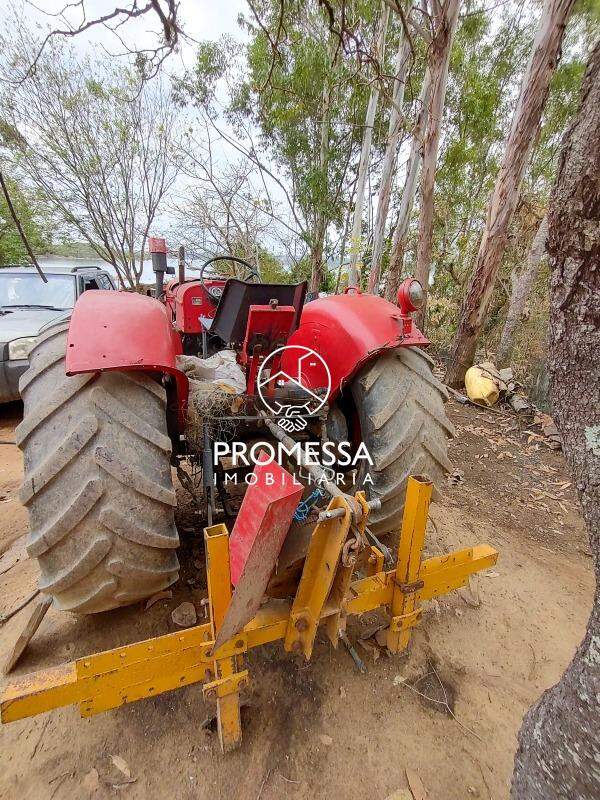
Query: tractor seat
231, 318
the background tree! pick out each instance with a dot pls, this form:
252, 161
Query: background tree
34, 218
408, 191
444, 25
522, 283
485, 69
74, 19
102, 150
224, 209
297, 115
365, 154
559, 753
528, 112
395, 127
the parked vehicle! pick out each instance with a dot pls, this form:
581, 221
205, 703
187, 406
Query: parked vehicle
27, 304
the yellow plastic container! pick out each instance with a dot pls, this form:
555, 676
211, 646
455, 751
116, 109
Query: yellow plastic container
481, 388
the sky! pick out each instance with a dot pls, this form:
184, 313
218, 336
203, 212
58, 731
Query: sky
200, 19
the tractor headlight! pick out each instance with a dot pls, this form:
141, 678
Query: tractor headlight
20, 348
416, 295
411, 296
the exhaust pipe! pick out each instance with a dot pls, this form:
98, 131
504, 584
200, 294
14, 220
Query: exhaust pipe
181, 264
158, 251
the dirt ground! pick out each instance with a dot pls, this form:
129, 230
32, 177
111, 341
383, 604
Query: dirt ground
322, 729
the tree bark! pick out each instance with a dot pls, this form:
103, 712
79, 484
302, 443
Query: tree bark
522, 285
439, 58
318, 241
525, 122
408, 193
365, 157
559, 751
389, 162
317, 272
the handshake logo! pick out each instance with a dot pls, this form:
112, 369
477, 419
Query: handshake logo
292, 413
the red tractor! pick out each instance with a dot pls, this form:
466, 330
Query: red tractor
106, 405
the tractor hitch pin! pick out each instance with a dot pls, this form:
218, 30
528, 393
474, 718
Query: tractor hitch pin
373, 505
318, 472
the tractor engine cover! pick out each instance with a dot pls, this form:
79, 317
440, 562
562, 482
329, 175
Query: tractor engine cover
189, 303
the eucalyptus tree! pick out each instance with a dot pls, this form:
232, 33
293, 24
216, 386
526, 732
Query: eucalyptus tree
395, 126
559, 112
409, 189
297, 105
522, 281
365, 153
443, 25
504, 198
483, 79
559, 754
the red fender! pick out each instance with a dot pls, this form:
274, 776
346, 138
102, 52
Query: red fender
124, 331
347, 330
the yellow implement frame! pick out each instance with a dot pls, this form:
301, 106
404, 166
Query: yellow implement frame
325, 595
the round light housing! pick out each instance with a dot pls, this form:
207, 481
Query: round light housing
411, 295
416, 295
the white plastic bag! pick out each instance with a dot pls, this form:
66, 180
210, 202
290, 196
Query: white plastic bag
221, 370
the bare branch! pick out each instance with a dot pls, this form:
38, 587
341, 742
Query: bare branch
104, 160
113, 20
19, 228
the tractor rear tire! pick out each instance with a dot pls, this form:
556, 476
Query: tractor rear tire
400, 405
97, 484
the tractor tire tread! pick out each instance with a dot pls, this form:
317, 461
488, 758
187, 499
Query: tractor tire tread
97, 483
400, 404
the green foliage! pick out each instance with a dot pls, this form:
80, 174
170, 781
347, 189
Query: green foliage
34, 221
271, 268
306, 103
213, 60
485, 70
306, 99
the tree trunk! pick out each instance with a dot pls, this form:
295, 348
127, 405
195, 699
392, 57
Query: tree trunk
522, 285
559, 750
365, 157
389, 162
439, 58
318, 241
525, 122
317, 272
408, 193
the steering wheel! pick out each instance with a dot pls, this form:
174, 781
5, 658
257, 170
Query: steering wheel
250, 273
